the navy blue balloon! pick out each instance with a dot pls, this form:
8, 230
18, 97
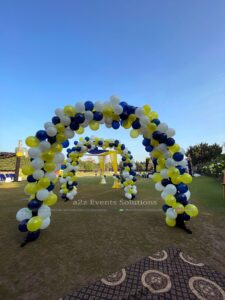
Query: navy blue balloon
146, 142
97, 116
30, 178
41, 135
50, 187
74, 125
185, 217
100, 143
123, 104
122, 147
87, 138
63, 167
79, 118
182, 198
149, 148
115, 124
178, 156
165, 181
165, 207
123, 117
156, 135
88, 105
34, 204
182, 188
156, 121
65, 144
170, 142
55, 120
136, 124
75, 143
23, 225
52, 139
32, 236
162, 138
181, 169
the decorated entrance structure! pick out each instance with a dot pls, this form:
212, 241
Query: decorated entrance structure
46, 158
91, 145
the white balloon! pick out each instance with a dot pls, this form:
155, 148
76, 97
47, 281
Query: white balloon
44, 211
128, 196
171, 213
159, 187
44, 145
171, 189
79, 106
45, 223
170, 132
51, 131
34, 152
99, 106
139, 112
42, 194
188, 194
59, 157
144, 121
37, 163
163, 127
114, 100
23, 213
163, 172
50, 175
38, 174
69, 133
118, 109
65, 120
48, 124
88, 115
170, 163
59, 112
164, 194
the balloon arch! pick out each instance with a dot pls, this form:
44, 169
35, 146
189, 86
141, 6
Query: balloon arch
91, 145
46, 157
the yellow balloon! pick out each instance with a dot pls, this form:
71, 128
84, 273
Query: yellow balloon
186, 178
147, 109
132, 118
156, 154
60, 137
60, 127
30, 188
34, 223
159, 168
32, 141
80, 130
51, 200
134, 133
174, 148
126, 124
176, 179
154, 143
43, 183
152, 127
156, 177
170, 200
69, 110
170, 222
153, 115
161, 161
47, 155
49, 166
179, 208
56, 147
28, 170
94, 125
172, 172
191, 210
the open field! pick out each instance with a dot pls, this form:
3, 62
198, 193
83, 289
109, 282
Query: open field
88, 239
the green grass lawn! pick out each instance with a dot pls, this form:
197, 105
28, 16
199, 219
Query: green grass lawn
93, 237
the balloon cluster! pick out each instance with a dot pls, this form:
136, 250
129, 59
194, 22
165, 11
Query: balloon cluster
46, 157
68, 182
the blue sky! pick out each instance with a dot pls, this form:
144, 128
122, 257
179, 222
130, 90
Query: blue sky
169, 54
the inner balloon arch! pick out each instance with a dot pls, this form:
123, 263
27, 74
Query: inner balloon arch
46, 157
127, 177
